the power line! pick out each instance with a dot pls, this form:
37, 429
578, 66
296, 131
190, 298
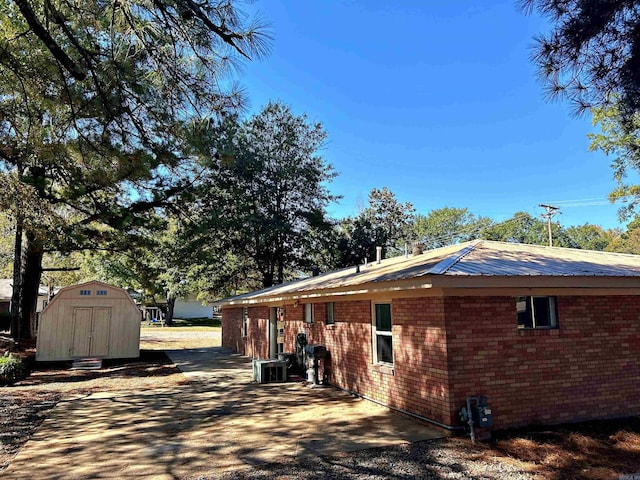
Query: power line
477, 228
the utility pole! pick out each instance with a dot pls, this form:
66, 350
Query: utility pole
551, 211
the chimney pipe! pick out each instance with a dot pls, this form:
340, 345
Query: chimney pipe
417, 248
315, 271
378, 254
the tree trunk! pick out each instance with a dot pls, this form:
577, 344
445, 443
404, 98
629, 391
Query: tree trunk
267, 279
31, 273
16, 294
171, 303
280, 270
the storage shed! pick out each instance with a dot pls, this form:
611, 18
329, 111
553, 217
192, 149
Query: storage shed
92, 319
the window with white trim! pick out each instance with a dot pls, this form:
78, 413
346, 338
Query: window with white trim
308, 312
85, 293
382, 336
245, 321
330, 314
537, 312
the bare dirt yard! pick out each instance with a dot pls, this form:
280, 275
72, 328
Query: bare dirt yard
593, 450
24, 405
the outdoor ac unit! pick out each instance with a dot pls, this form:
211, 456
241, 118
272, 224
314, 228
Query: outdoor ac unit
269, 371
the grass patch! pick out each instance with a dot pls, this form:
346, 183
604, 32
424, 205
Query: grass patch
196, 322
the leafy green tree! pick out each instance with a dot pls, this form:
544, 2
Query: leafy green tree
629, 242
592, 53
265, 191
385, 222
619, 138
625, 241
101, 107
590, 237
7, 232
446, 226
525, 228
171, 265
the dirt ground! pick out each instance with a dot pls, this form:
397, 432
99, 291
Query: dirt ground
594, 450
25, 405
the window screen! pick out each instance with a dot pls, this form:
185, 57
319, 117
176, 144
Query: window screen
536, 312
385, 348
330, 314
383, 317
383, 340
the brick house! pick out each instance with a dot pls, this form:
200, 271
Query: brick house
548, 335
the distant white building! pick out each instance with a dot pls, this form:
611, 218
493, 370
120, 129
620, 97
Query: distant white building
190, 307
6, 291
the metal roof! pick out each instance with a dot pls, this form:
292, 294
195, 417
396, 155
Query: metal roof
479, 258
6, 289
509, 259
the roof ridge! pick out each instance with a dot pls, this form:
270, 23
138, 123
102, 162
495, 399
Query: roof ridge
557, 247
449, 262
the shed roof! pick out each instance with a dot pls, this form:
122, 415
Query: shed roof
476, 259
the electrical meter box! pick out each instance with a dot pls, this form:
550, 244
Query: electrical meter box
479, 411
482, 416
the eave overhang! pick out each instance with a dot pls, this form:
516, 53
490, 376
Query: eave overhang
449, 285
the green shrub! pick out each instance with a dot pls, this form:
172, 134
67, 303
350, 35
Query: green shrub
12, 369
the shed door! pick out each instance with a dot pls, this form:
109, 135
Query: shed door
100, 335
91, 327
81, 331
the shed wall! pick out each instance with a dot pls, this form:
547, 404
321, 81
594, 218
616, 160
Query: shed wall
56, 326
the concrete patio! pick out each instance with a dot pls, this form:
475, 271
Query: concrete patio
221, 420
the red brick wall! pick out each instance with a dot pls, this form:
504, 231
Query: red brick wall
256, 344
588, 368
232, 329
417, 382
420, 358
348, 340
448, 348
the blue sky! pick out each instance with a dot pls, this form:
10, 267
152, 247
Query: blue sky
438, 101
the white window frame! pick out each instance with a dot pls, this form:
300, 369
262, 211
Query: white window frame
331, 313
375, 333
245, 322
309, 313
553, 309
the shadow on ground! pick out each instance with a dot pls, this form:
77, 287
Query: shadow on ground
218, 422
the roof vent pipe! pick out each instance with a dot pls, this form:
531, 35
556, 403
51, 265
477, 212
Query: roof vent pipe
378, 254
315, 271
